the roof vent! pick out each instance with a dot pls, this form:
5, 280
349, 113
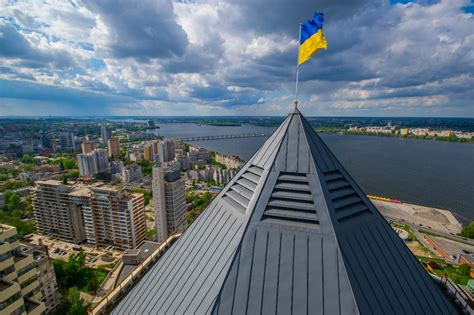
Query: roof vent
240, 193
291, 202
347, 203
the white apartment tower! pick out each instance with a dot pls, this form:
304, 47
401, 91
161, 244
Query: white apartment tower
169, 200
93, 162
104, 134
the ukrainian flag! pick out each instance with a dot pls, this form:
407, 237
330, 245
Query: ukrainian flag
312, 38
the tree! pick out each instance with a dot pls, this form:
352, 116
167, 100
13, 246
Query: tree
465, 270
61, 165
76, 303
468, 231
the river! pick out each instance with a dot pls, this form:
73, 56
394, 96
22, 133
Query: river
425, 172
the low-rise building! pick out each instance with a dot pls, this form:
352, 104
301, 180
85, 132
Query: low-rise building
231, 162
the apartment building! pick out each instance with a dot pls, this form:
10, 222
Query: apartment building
114, 147
80, 200
104, 133
45, 274
168, 200
87, 147
118, 218
93, 162
54, 215
20, 290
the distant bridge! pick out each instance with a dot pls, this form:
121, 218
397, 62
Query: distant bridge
220, 137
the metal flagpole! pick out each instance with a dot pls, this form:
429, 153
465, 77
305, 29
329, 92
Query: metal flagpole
297, 69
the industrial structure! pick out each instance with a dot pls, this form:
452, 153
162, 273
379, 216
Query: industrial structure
292, 233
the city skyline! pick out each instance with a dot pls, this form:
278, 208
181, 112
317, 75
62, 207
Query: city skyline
160, 58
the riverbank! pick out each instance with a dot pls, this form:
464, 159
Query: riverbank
429, 218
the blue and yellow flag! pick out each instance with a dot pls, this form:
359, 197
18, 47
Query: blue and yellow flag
312, 38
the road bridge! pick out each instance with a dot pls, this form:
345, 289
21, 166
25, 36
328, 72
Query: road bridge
231, 136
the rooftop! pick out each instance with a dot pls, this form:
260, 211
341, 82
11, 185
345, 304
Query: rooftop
291, 233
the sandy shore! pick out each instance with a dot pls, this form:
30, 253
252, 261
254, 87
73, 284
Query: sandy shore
431, 218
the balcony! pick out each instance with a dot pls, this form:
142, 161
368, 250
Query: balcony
33, 307
29, 286
22, 260
4, 248
8, 291
6, 263
27, 275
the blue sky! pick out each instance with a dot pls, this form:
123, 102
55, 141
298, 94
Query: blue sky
223, 57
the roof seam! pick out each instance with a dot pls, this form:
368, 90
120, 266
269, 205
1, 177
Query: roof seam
161, 296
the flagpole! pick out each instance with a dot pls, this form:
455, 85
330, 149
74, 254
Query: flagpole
297, 69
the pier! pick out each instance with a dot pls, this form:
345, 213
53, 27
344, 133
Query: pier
232, 136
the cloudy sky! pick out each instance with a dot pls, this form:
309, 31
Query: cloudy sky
229, 57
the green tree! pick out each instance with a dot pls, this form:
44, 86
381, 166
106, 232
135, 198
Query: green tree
69, 164
61, 165
76, 303
12, 201
468, 231
465, 270
27, 159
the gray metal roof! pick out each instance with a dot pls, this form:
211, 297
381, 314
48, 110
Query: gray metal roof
291, 233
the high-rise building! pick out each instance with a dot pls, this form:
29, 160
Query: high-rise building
104, 133
114, 147
87, 146
148, 152
45, 274
66, 141
93, 162
116, 167
166, 150
20, 291
168, 200
292, 233
118, 218
53, 213
159, 151
80, 200
131, 173
45, 141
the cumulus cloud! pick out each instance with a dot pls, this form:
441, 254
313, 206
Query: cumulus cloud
238, 57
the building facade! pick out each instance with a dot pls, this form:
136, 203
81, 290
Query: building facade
87, 146
20, 290
66, 141
55, 216
45, 274
168, 200
104, 134
93, 162
230, 162
131, 173
114, 147
118, 218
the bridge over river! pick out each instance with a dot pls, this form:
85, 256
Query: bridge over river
232, 136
